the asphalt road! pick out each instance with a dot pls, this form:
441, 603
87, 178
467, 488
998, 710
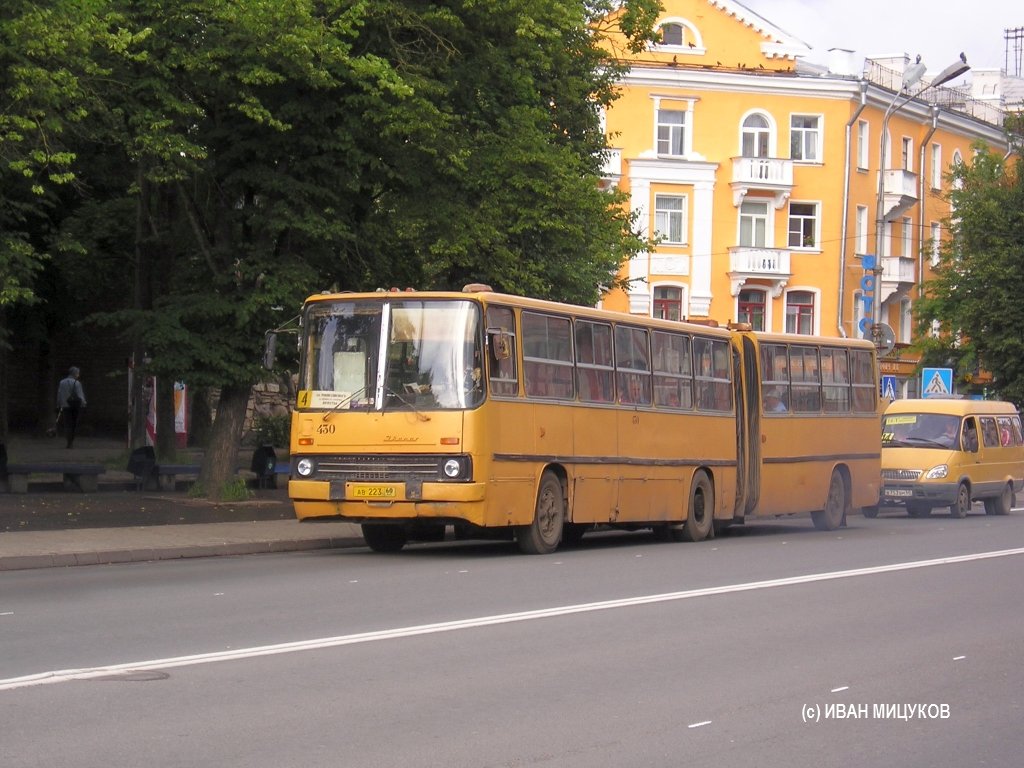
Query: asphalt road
891, 642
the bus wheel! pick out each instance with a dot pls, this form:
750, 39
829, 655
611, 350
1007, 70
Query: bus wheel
700, 518
541, 537
1001, 504
962, 505
870, 512
831, 517
383, 537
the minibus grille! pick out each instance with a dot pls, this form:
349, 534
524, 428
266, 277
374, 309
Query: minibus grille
371, 468
901, 474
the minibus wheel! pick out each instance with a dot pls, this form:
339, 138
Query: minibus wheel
541, 537
962, 505
831, 517
1001, 504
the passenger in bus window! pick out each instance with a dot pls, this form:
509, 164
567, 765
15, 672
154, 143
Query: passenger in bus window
773, 402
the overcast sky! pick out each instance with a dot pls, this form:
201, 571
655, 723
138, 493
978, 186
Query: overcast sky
938, 29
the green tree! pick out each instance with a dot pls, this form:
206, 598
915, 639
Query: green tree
977, 289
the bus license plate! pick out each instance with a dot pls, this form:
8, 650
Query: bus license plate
898, 492
372, 491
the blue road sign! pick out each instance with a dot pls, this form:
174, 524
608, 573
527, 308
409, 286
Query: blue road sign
888, 389
936, 382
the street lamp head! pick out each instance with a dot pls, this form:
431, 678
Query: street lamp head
912, 75
951, 72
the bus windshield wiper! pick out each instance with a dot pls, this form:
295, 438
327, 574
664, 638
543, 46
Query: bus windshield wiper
419, 414
343, 402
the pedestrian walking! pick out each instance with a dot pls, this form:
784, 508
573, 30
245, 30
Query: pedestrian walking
70, 402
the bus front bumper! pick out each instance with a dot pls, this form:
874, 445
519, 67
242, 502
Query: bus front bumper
936, 494
321, 498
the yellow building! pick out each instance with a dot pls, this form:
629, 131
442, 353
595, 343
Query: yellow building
759, 175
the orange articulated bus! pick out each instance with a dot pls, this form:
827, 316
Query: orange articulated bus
504, 416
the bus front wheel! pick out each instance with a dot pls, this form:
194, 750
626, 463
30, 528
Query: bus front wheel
541, 537
831, 517
384, 537
962, 505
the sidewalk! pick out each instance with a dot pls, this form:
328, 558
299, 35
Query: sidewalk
49, 527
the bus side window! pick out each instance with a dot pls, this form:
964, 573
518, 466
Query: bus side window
501, 352
970, 435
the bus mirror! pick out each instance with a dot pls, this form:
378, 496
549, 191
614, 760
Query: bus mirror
501, 345
269, 350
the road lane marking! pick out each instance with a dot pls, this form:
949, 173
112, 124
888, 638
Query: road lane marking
840, 689
698, 725
92, 673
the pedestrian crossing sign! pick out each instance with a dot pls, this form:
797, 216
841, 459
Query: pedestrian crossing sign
888, 388
936, 382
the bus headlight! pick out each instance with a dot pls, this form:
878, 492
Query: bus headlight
304, 467
452, 468
937, 473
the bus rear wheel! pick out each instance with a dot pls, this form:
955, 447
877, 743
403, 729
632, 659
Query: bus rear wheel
541, 537
700, 517
831, 517
1001, 504
384, 537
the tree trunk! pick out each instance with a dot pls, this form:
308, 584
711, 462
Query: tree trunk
166, 439
220, 460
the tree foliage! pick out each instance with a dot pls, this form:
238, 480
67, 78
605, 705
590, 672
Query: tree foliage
233, 156
977, 289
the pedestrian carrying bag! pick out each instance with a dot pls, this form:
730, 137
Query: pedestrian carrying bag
52, 431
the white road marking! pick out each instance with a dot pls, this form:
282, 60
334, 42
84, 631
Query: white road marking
698, 725
840, 689
90, 673
959, 658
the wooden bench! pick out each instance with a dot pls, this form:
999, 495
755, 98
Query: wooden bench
81, 477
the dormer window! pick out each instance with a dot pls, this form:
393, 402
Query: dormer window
671, 34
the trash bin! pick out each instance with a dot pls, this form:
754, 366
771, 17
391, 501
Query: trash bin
264, 459
142, 464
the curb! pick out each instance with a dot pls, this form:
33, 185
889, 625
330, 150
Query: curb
143, 554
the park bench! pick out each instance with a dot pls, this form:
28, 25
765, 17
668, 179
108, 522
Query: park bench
81, 477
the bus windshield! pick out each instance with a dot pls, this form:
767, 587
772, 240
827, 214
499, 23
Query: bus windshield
387, 355
920, 430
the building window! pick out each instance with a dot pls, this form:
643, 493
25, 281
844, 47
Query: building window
668, 302
936, 243
908, 237
751, 309
753, 224
860, 230
887, 240
803, 225
859, 317
936, 166
862, 144
907, 156
906, 321
756, 139
670, 218
671, 34
671, 132
805, 138
800, 312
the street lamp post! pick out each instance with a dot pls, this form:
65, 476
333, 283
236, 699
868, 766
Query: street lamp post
911, 76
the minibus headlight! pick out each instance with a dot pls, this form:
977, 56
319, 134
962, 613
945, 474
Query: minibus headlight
937, 473
452, 468
304, 467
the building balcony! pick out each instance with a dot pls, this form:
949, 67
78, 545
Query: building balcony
746, 263
771, 174
899, 192
898, 275
611, 168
